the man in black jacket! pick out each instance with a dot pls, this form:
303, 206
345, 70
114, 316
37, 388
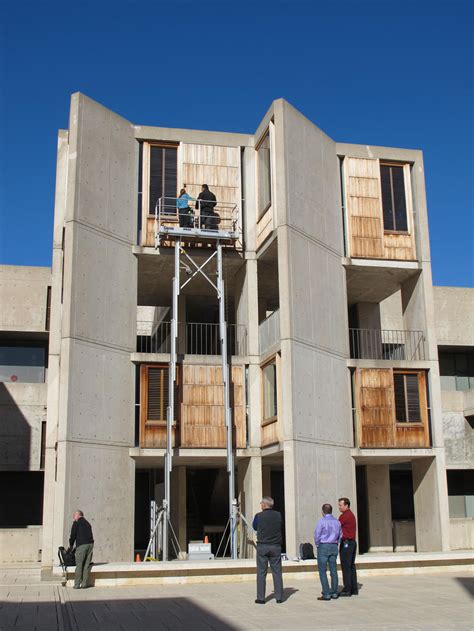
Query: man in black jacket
205, 203
268, 527
81, 535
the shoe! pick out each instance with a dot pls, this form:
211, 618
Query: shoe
334, 596
354, 593
345, 594
279, 601
259, 602
77, 587
322, 598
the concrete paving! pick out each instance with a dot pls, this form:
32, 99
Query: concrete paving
438, 601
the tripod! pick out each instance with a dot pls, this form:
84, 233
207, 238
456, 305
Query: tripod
240, 523
162, 522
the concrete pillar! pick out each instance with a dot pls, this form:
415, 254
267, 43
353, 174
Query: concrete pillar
178, 504
266, 480
379, 508
431, 507
249, 477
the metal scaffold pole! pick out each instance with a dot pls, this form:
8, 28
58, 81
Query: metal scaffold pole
170, 410
228, 416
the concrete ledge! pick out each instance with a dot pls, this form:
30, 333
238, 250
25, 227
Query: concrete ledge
222, 571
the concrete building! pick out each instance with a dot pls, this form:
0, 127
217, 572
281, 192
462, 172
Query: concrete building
332, 338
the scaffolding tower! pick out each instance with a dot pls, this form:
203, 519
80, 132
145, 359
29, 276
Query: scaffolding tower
170, 226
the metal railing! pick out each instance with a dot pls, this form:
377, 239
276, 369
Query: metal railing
197, 219
387, 344
200, 338
269, 331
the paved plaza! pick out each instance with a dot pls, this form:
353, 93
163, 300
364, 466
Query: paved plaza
429, 601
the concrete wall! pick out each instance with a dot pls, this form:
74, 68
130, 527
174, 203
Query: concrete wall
22, 411
454, 308
462, 533
458, 434
318, 466
20, 544
23, 293
92, 422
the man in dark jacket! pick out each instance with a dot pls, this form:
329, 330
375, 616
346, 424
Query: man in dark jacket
81, 535
205, 203
268, 527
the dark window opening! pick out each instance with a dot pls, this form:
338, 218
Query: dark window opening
43, 445
48, 308
393, 198
21, 498
460, 492
163, 178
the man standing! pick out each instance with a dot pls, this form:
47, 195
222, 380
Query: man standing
268, 527
81, 535
326, 537
348, 548
205, 203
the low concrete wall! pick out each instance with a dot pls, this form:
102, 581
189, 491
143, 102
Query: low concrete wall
462, 533
20, 544
404, 536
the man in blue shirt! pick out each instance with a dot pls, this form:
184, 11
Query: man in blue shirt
327, 535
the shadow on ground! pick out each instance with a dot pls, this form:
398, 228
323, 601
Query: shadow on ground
468, 583
131, 614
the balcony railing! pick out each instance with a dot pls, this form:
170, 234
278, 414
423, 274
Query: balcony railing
269, 332
387, 344
200, 338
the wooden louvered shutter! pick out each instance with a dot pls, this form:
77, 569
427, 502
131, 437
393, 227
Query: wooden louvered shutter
157, 393
407, 397
163, 176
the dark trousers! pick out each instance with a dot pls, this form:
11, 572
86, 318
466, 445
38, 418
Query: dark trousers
269, 554
347, 555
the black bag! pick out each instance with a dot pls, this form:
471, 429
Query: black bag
306, 551
67, 558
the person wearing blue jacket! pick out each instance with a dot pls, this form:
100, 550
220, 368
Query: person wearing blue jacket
185, 212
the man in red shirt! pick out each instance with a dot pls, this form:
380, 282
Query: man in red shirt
348, 548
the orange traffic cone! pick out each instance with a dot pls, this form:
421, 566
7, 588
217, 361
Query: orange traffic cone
206, 539
137, 559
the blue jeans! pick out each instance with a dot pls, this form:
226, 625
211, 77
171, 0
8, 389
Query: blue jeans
327, 554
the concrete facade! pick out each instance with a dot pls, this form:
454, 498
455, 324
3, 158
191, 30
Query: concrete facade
300, 278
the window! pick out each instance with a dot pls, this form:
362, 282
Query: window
461, 492
407, 397
155, 391
456, 370
21, 363
393, 198
270, 408
163, 177
264, 175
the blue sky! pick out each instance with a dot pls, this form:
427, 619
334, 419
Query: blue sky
382, 73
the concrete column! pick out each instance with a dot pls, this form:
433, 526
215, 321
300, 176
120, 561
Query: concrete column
266, 480
249, 477
379, 508
178, 504
431, 506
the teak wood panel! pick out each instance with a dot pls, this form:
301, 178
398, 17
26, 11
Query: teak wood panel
202, 417
264, 226
376, 418
365, 219
270, 433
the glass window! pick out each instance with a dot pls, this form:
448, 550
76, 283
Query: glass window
393, 198
269, 392
24, 364
264, 175
163, 178
456, 370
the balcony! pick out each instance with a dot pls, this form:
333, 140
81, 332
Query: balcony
269, 332
389, 345
199, 338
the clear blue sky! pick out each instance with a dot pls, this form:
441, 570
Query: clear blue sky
382, 73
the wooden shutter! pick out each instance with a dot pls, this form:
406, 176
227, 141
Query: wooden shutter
153, 406
407, 397
157, 393
375, 414
362, 178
